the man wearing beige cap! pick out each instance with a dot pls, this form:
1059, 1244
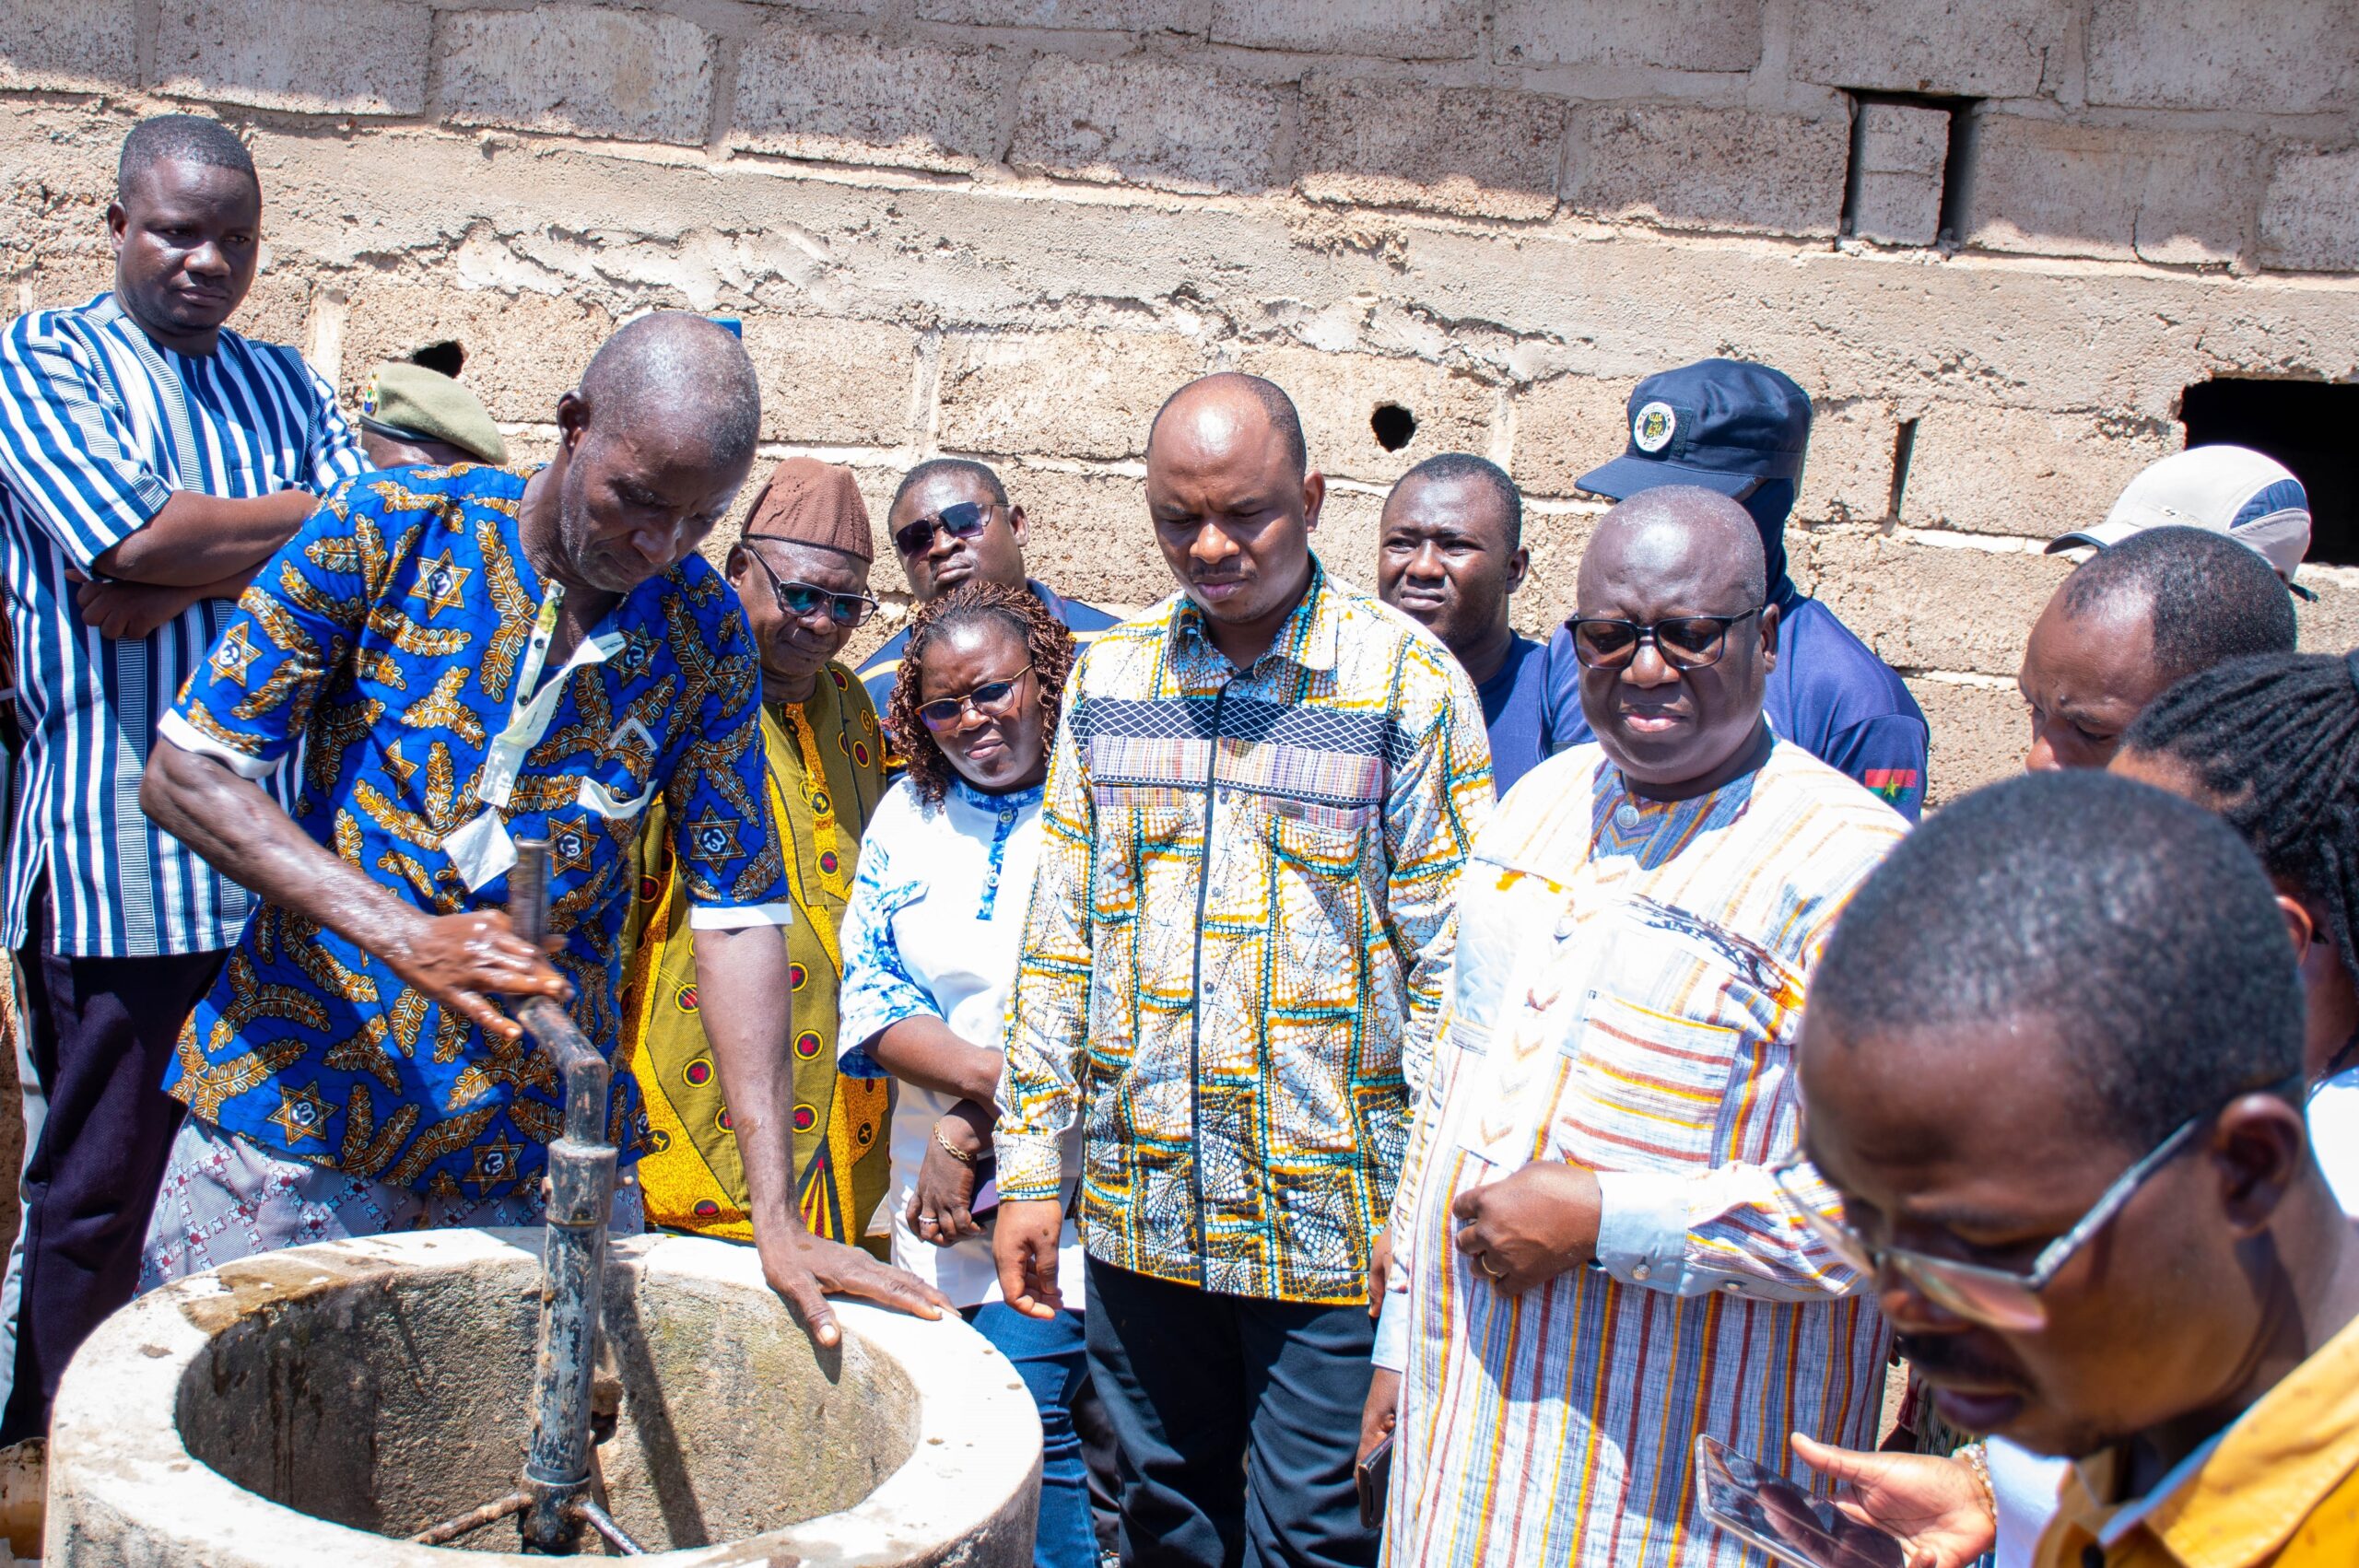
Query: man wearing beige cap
411, 416
2252, 498
801, 569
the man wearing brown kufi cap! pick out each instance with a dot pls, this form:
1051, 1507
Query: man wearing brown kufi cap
801, 569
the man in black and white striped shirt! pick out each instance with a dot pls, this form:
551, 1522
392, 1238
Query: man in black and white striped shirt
150, 462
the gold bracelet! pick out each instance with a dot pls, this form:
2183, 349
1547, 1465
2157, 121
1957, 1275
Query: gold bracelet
1974, 1458
957, 1153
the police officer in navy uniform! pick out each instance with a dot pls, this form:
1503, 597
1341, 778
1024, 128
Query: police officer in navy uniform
1742, 430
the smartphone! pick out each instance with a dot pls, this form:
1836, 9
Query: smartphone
984, 1209
1371, 1476
1764, 1509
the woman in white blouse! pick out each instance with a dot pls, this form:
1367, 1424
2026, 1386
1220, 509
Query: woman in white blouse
930, 949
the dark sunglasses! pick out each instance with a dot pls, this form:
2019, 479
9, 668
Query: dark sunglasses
992, 699
963, 521
1686, 642
803, 598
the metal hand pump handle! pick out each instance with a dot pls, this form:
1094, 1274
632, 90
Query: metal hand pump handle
555, 1493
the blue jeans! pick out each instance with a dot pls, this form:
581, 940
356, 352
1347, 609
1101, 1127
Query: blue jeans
1051, 1355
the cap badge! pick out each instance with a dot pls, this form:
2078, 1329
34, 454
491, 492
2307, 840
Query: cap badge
368, 396
1653, 430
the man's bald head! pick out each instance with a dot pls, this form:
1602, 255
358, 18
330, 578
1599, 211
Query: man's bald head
1683, 529
653, 446
1232, 402
679, 374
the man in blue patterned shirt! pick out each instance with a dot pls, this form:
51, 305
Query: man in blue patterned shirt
150, 459
463, 658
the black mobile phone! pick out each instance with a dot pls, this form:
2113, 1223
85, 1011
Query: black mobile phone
1372, 1475
1765, 1509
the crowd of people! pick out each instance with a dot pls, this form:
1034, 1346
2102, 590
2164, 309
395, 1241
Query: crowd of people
1388, 1085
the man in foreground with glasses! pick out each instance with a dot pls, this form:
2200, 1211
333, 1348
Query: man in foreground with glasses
2053, 1067
950, 524
1593, 1262
801, 571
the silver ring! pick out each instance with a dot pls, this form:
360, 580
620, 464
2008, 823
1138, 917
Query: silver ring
927, 1220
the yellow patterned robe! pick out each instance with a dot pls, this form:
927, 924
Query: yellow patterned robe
826, 773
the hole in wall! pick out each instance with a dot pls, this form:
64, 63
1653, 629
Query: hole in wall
1393, 426
1904, 449
1957, 158
445, 358
2306, 426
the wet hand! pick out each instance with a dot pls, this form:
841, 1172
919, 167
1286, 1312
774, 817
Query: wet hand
456, 959
1525, 1229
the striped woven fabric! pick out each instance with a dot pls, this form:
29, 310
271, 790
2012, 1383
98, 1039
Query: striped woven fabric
1629, 980
1241, 923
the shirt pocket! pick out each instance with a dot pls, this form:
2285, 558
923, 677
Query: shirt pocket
1670, 1025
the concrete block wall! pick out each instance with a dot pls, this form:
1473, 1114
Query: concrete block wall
2000, 236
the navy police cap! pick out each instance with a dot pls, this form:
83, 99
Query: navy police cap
1727, 424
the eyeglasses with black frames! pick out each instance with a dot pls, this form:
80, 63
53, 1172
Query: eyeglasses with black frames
1686, 642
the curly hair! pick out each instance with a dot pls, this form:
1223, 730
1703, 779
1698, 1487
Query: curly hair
1046, 641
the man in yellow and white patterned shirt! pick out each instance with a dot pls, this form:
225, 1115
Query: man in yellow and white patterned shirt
1259, 798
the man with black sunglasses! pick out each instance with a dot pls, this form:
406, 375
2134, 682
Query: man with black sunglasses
801, 571
1591, 1253
2052, 1067
951, 523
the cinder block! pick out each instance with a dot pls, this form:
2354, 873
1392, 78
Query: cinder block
1717, 169
845, 96
1339, 393
2309, 220
71, 46
1070, 394
312, 56
1149, 121
1567, 425
1902, 151
524, 351
592, 70
275, 309
1685, 35
2018, 470
1980, 736
1974, 48
1925, 606
1558, 539
1847, 476
833, 380
1476, 150
2287, 56
1090, 536
1398, 29
2051, 188
1189, 16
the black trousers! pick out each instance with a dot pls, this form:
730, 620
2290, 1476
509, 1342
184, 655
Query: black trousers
1238, 1423
101, 1033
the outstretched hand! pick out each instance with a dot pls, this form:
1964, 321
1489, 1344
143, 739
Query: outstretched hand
805, 1270
1933, 1503
457, 959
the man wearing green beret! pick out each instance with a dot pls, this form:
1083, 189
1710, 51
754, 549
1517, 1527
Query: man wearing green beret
412, 416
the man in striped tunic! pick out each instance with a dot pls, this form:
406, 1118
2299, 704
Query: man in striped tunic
150, 461
1593, 1265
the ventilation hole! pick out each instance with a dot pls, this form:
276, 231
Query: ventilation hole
1393, 426
2304, 425
1904, 448
446, 357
